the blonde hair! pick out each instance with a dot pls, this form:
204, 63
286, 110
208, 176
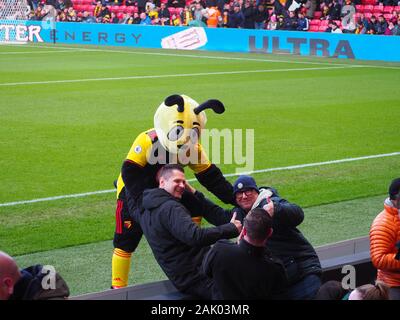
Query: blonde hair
379, 291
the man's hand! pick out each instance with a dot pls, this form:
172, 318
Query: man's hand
241, 235
237, 223
269, 207
189, 188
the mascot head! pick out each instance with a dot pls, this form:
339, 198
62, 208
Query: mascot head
179, 120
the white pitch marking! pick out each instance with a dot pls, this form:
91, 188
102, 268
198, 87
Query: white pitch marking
37, 52
9, 84
307, 165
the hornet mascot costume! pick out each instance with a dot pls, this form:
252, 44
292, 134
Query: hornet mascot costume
178, 122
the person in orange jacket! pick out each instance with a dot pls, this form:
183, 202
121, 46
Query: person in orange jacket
385, 241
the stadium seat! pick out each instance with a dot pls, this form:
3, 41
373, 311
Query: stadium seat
339, 23
315, 22
171, 10
397, 8
368, 8
317, 14
368, 15
87, 2
313, 28
369, 2
120, 15
378, 10
130, 9
77, 2
359, 8
357, 15
178, 10
324, 23
388, 9
387, 16
112, 9
322, 28
122, 8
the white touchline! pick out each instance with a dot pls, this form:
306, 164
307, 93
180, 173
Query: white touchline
38, 52
8, 84
299, 166
75, 48
218, 57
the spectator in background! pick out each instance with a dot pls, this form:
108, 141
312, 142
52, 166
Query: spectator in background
385, 241
249, 15
396, 29
175, 20
87, 17
164, 15
260, 17
235, 17
291, 21
279, 9
246, 270
221, 4
186, 16
212, 14
395, 17
335, 10
389, 29
144, 19
362, 25
97, 9
32, 283
280, 23
372, 25
210, 3
311, 6
381, 25
197, 12
141, 4
302, 22
272, 23
334, 27
176, 3
114, 18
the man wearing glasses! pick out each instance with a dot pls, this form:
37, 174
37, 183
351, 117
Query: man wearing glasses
287, 243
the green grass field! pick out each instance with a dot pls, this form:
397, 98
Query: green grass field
69, 116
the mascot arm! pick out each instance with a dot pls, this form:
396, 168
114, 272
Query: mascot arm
133, 172
133, 176
213, 179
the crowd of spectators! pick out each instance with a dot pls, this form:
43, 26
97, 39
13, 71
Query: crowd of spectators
329, 15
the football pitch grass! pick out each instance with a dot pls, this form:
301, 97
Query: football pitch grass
70, 114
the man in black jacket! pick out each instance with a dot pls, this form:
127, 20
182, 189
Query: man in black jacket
246, 270
287, 243
178, 244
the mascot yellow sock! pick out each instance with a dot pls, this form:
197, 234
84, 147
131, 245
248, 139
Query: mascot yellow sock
121, 264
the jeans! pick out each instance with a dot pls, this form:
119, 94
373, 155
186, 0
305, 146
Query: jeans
394, 293
306, 289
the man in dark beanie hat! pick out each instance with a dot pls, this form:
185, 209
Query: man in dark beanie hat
301, 262
385, 239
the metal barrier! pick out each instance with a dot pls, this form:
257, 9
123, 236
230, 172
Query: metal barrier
333, 257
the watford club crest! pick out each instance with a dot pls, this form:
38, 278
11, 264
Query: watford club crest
128, 224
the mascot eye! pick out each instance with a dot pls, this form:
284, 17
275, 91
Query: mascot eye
194, 135
175, 133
